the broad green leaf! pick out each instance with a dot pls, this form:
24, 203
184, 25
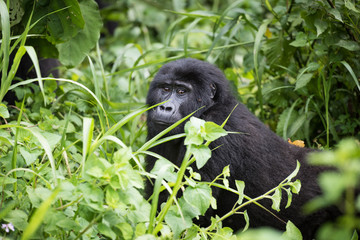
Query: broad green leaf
296, 186
297, 124
292, 232
300, 41
122, 156
335, 12
349, 5
240, 186
193, 130
213, 131
66, 23
95, 172
30, 157
202, 154
199, 197
320, 25
177, 222
303, 80
106, 231
165, 168
126, 230
46, 146
349, 45
311, 67
4, 113
18, 218
73, 52
67, 223
276, 199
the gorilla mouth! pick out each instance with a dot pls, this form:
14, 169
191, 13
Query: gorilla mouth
163, 123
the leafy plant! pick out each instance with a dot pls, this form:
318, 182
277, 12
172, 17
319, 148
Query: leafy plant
340, 187
72, 151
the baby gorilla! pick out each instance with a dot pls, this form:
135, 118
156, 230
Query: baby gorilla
259, 157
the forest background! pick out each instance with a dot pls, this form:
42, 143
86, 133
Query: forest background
72, 148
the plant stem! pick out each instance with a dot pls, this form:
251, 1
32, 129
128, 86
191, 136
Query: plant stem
176, 188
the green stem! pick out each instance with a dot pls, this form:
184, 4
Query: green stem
250, 200
176, 188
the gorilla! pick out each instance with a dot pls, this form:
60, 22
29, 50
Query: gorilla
259, 157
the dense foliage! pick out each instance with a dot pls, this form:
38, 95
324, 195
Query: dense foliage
72, 149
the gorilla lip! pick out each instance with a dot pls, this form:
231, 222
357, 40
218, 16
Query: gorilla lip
163, 123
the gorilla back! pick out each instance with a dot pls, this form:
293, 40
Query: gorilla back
258, 157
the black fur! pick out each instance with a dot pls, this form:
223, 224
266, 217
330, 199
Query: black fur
260, 158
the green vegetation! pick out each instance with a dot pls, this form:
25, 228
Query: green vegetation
72, 149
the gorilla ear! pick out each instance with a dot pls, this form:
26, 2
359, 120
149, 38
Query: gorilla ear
213, 90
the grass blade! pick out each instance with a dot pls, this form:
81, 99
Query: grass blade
257, 44
39, 215
348, 67
31, 51
5, 43
88, 130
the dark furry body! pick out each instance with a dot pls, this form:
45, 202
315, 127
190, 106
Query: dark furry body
258, 157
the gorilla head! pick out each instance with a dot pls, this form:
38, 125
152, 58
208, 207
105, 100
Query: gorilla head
187, 85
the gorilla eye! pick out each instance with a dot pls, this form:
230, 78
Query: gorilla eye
166, 89
180, 91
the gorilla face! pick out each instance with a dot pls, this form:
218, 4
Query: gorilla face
185, 92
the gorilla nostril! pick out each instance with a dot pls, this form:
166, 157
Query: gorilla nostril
165, 108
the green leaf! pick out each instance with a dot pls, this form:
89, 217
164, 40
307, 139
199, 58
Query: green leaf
349, 68
213, 131
303, 80
336, 14
294, 173
247, 220
193, 129
30, 157
349, 5
295, 186
240, 186
355, 236
122, 156
177, 222
276, 199
289, 197
165, 168
18, 218
66, 23
349, 45
39, 215
126, 230
292, 232
4, 113
199, 197
321, 26
73, 52
106, 230
300, 41
202, 154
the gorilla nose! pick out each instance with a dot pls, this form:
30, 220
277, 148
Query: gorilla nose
167, 107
